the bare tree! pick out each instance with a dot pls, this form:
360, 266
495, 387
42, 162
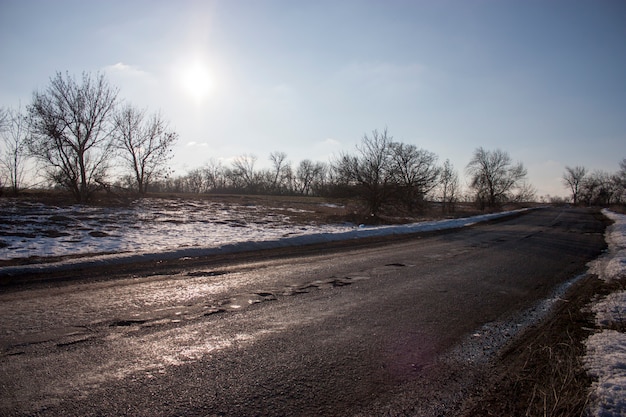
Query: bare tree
71, 131
415, 173
307, 175
494, 177
385, 172
448, 187
3, 125
14, 139
370, 171
620, 178
243, 174
215, 176
525, 192
195, 181
4, 118
146, 143
573, 179
599, 188
281, 174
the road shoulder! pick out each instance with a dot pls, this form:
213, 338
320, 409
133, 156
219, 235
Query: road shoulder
542, 371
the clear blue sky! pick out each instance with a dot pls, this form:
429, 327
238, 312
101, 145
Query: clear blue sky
543, 80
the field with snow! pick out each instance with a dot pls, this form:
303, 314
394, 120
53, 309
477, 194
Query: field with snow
31, 229
35, 232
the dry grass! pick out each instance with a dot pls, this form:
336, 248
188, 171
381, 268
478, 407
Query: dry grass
558, 380
542, 373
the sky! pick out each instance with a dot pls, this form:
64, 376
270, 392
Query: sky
544, 81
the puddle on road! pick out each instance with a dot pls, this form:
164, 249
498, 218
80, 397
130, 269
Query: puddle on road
206, 273
151, 354
241, 301
18, 343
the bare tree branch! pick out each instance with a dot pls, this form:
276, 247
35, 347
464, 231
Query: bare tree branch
146, 144
71, 131
573, 179
494, 177
15, 140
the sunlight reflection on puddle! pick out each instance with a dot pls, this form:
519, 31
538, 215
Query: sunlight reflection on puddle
162, 350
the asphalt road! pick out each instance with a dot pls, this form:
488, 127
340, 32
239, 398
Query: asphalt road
373, 330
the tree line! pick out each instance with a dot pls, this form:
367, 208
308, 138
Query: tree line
85, 139
386, 175
598, 188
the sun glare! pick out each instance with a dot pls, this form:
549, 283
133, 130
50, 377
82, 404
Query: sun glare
196, 81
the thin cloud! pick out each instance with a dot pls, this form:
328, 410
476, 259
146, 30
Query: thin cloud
193, 144
330, 142
127, 70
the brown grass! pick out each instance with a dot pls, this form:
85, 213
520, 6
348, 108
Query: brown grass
542, 373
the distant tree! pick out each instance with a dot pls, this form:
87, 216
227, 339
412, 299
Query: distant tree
415, 173
573, 179
370, 171
494, 177
14, 134
599, 188
622, 171
243, 174
281, 174
4, 118
215, 175
448, 187
175, 184
386, 173
618, 192
146, 144
71, 131
3, 121
195, 181
620, 178
525, 193
308, 174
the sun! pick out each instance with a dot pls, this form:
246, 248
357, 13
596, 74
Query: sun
196, 81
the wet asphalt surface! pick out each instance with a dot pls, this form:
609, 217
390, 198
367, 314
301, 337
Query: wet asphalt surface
364, 331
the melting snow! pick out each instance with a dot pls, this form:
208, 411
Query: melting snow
606, 350
157, 229
28, 229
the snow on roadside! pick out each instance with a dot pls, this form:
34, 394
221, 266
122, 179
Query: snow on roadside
606, 350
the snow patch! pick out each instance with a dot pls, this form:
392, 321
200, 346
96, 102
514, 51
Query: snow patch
606, 350
611, 311
606, 360
612, 266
